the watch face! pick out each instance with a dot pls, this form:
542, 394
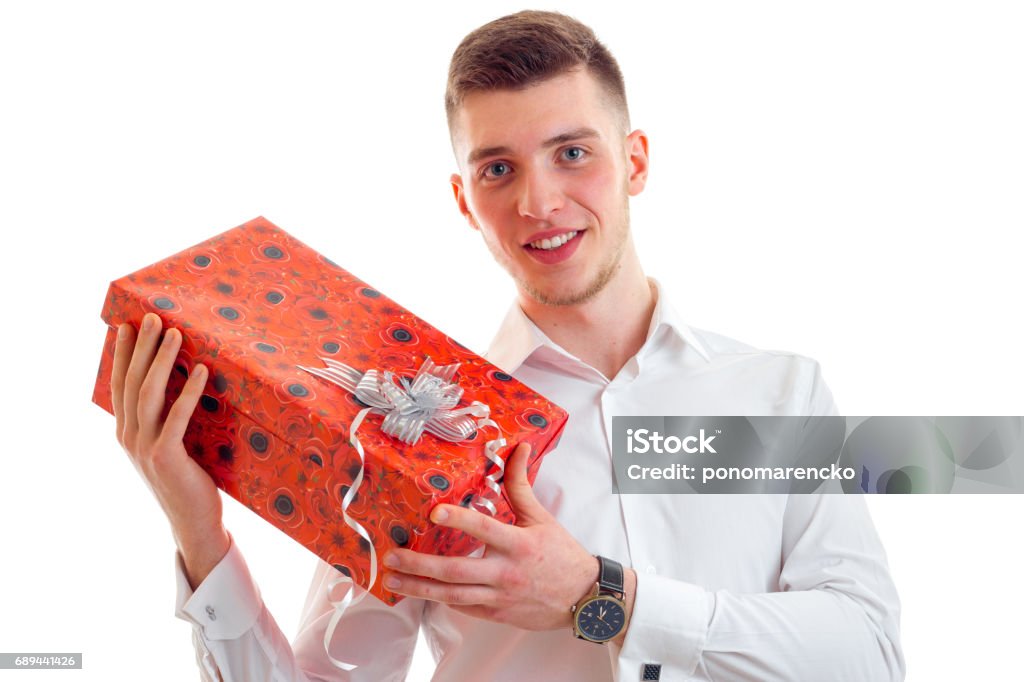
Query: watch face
600, 619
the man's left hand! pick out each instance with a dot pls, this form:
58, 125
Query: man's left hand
529, 576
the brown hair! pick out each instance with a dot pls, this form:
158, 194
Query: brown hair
525, 48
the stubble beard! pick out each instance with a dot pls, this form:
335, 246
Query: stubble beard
596, 285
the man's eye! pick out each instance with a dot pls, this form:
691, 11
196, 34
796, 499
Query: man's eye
497, 170
573, 153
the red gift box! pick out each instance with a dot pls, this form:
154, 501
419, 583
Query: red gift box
257, 306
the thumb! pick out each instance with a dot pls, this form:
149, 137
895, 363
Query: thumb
524, 503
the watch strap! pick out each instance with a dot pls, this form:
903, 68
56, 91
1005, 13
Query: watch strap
609, 576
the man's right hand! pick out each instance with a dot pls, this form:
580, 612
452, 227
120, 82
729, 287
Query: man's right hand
187, 494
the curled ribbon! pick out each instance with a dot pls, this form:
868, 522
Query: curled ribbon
410, 409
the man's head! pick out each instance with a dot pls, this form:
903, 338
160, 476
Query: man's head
537, 112
523, 49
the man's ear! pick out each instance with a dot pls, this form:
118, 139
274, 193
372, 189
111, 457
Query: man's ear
636, 157
460, 199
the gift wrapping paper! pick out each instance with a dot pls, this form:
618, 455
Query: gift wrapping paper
256, 305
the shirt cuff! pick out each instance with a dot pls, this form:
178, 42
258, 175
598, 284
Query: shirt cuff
668, 627
226, 604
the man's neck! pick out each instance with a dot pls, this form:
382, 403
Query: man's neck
609, 329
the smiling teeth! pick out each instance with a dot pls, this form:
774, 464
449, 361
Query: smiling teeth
548, 244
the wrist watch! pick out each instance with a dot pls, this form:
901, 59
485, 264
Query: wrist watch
601, 615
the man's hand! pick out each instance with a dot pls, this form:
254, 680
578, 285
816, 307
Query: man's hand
529, 577
187, 494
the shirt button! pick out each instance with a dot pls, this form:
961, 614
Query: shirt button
651, 569
211, 613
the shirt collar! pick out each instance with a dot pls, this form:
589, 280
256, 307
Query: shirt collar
518, 337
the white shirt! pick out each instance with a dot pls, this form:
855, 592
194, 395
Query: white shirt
729, 587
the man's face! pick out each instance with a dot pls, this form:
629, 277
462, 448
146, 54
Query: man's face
546, 175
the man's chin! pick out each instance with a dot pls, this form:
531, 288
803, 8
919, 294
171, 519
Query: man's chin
568, 292
561, 296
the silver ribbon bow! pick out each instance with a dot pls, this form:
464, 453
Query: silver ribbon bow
410, 408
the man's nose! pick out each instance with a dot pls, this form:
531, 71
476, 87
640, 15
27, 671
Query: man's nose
539, 195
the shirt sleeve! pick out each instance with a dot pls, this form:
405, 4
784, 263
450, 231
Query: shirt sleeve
237, 639
835, 615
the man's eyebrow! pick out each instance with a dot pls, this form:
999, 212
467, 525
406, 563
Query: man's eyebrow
575, 134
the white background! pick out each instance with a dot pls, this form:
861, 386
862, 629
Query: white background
843, 180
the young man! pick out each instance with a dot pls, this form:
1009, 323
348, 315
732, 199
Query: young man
714, 587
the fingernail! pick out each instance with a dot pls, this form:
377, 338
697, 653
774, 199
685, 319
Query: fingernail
439, 515
200, 371
122, 332
392, 582
147, 321
391, 561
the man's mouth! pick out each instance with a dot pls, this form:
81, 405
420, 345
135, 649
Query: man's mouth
554, 246
554, 243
